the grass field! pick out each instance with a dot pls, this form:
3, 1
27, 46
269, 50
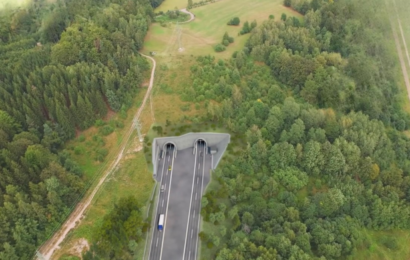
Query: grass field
383, 245
172, 5
403, 9
399, 10
199, 36
13, 3
132, 178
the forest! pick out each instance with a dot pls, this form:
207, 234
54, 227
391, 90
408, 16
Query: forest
326, 157
63, 65
120, 232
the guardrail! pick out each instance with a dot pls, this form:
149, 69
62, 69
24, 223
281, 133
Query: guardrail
154, 202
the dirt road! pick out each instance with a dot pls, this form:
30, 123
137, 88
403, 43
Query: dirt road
51, 245
399, 50
190, 14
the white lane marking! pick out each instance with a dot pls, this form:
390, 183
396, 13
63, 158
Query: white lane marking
189, 212
194, 214
162, 203
192, 232
166, 211
196, 196
156, 209
157, 243
199, 218
168, 158
199, 166
197, 180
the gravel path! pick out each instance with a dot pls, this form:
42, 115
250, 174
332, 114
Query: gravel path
399, 50
190, 14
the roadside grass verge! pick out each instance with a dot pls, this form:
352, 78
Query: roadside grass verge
131, 178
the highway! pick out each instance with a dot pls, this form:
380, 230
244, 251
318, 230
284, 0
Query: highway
167, 165
192, 231
187, 177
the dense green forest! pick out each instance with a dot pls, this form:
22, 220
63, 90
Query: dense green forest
62, 66
326, 157
120, 232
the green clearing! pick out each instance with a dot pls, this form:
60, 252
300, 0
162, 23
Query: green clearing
132, 178
165, 18
13, 3
403, 9
172, 5
199, 36
383, 245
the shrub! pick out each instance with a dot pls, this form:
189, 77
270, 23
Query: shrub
247, 28
234, 21
389, 242
219, 48
226, 40
287, 3
185, 107
81, 138
99, 123
283, 17
101, 154
271, 17
106, 130
119, 124
79, 150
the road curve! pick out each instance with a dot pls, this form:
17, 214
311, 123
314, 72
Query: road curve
192, 16
51, 245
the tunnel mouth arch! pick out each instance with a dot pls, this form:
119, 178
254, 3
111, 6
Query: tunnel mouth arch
168, 144
200, 139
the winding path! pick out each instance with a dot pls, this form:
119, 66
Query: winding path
51, 245
192, 16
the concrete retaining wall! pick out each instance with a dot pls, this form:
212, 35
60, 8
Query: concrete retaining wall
214, 140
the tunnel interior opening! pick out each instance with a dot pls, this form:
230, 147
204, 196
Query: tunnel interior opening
200, 144
170, 147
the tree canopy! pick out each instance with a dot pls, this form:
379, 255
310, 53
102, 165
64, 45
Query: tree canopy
325, 155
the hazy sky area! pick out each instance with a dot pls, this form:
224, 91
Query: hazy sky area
12, 3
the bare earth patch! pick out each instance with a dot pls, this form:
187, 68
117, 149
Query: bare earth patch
80, 246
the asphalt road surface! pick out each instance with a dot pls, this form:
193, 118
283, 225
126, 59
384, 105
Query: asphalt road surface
166, 165
191, 236
180, 202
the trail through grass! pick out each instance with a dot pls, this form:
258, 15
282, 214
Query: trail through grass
132, 178
199, 36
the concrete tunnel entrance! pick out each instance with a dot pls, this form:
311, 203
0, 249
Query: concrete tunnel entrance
199, 143
169, 147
